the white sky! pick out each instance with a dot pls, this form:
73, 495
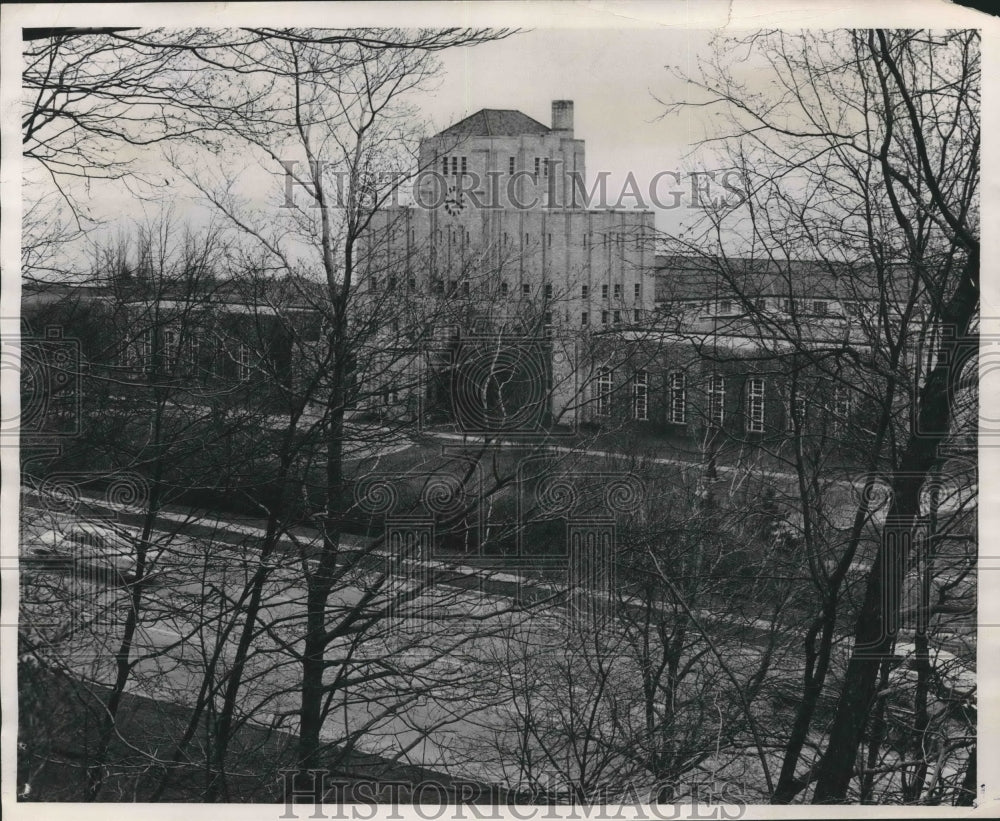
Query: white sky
610, 74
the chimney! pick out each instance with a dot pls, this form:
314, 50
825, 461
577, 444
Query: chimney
562, 116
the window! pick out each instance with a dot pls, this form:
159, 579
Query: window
454, 166
796, 409
604, 392
464, 166
452, 287
411, 284
526, 289
618, 291
635, 315
725, 307
171, 347
585, 292
548, 239
510, 165
640, 404
677, 387
548, 324
504, 289
548, 290
145, 346
637, 288
617, 317
537, 163
841, 407
439, 287
465, 288
244, 362
851, 309
755, 405
716, 399
819, 307
391, 283
604, 317
760, 303
444, 165
604, 292
584, 319
545, 166
789, 306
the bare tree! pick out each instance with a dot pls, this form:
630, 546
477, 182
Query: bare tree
867, 167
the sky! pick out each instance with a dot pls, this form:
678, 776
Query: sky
611, 75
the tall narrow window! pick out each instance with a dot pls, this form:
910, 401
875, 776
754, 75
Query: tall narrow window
584, 317
464, 164
604, 317
618, 291
636, 315
584, 292
454, 166
616, 317
171, 346
548, 290
755, 405
444, 165
145, 345
604, 292
604, 392
795, 412
465, 288
545, 167
637, 288
841, 407
504, 289
640, 396
716, 399
244, 362
677, 386
537, 163
510, 166
526, 289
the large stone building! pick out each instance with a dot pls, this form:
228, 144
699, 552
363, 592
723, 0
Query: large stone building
499, 227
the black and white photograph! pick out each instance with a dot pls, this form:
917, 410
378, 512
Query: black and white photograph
499, 410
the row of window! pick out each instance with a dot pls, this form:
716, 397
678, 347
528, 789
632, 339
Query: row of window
525, 290
455, 165
177, 356
816, 307
615, 317
677, 404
